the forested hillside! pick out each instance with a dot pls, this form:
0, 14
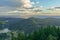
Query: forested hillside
30, 29
44, 33
27, 25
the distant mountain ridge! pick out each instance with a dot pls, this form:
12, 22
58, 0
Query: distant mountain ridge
28, 24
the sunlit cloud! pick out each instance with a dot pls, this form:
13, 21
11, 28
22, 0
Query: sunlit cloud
26, 3
25, 9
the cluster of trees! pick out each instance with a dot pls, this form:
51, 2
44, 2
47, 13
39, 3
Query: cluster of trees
44, 33
3, 36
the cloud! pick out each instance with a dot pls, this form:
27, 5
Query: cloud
11, 7
6, 9
4, 30
26, 3
33, 3
8, 5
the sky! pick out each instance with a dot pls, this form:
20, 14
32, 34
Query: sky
7, 7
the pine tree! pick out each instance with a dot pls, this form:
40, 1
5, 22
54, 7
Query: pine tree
50, 37
21, 36
12, 36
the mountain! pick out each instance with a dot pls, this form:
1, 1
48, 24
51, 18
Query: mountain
29, 24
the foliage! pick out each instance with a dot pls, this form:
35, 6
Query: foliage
44, 33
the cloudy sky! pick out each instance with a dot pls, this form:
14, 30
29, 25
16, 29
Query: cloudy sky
9, 7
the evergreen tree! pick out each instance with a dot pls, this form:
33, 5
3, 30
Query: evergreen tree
50, 37
12, 36
21, 36
44, 33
